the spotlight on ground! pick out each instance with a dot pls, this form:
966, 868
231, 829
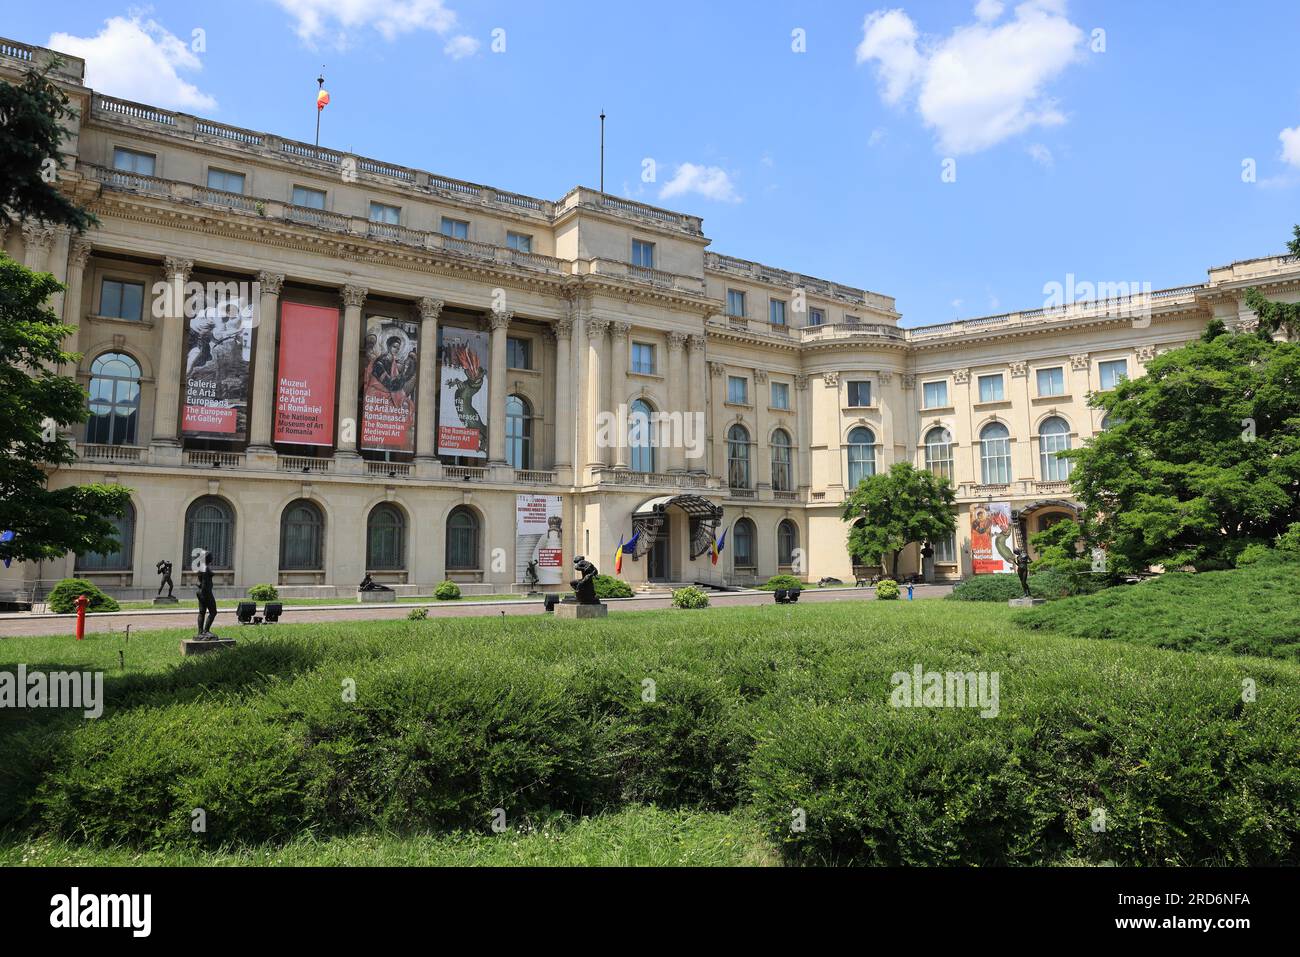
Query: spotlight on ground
787, 596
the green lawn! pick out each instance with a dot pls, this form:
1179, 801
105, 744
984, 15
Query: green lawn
395, 741
230, 603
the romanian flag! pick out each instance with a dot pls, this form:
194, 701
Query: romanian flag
719, 544
322, 99
618, 553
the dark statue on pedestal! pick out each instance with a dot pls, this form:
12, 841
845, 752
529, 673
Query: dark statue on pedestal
1022, 570
584, 587
531, 574
369, 584
165, 570
207, 601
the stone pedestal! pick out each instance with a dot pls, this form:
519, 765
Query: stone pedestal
1026, 602
571, 609
201, 646
166, 600
375, 597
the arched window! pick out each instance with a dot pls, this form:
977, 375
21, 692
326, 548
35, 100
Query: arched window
462, 539
938, 452
120, 560
782, 469
519, 432
787, 540
1053, 437
995, 454
640, 436
302, 537
862, 455
210, 526
386, 538
114, 400
742, 545
738, 457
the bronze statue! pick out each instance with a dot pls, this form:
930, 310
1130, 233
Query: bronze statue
369, 584
531, 574
1022, 569
584, 587
207, 601
165, 570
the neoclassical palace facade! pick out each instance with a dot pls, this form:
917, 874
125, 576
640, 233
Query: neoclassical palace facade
315, 366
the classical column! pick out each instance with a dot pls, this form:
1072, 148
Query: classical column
78, 256
564, 412
717, 427
763, 463
354, 297
678, 394
597, 390
426, 442
36, 245
618, 385
497, 389
804, 426
264, 350
166, 406
57, 263
699, 402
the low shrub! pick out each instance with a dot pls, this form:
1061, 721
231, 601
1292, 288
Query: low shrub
607, 586
63, 596
264, 592
781, 581
887, 589
1050, 583
417, 614
447, 591
690, 597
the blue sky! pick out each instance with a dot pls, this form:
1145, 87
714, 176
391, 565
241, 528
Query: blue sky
1115, 157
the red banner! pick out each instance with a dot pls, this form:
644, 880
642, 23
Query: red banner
304, 400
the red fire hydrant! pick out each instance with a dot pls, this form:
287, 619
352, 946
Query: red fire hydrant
81, 603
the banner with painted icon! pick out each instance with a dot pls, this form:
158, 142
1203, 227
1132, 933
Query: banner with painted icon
389, 376
539, 536
304, 398
463, 394
992, 541
218, 358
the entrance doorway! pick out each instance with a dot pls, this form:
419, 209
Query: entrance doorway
657, 561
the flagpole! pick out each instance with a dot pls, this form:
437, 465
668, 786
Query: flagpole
602, 150
320, 83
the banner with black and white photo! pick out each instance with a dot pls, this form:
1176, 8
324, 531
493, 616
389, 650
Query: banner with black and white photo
218, 356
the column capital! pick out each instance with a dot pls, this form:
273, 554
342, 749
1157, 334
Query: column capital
908, 380
430, 308
78, 255
37, 234
618, 330
1145, 353
801, 382
1019, 369
677, 341
562, 328
960, 376
760, 375
716, 369
270, 283
597, 327
500, 320
831, 379
177, 268
1079, 362
696, 342
353, 296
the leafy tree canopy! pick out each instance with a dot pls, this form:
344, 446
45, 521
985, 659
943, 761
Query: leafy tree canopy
890, 510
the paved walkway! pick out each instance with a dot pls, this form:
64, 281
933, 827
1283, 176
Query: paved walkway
12, 625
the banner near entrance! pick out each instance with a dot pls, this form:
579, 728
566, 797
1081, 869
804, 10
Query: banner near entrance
991, 541
304, 401
216, 371
463, 394
538, 537
389, 375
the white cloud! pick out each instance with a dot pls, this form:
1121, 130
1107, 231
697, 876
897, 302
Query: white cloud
460, 47
984, 82
711, 182
1040, 154
321, 19
1290, 145
877, 137
138, 60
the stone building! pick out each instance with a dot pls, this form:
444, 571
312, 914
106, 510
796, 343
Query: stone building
266, 325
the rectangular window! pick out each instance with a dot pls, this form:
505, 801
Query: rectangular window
935, 395
519, 353
643, 358
225, 180
519, 242
776, 312
1112, 372
311, 198
737, 390
780, 395
455, 228
816, 317
121, 300
735, 303
383, 213
945, 550
859, 394
991, 388
643, 254
1051, 381
133, 161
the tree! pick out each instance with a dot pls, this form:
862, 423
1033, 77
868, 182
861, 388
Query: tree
1201, 458
35, 402
31, 134
1274, 316
891, 510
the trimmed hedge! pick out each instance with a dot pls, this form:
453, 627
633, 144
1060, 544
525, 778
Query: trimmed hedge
63, 596
607, 586
264, 593
1052, 583
782, 581
447, 591
887, 589
690, 597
